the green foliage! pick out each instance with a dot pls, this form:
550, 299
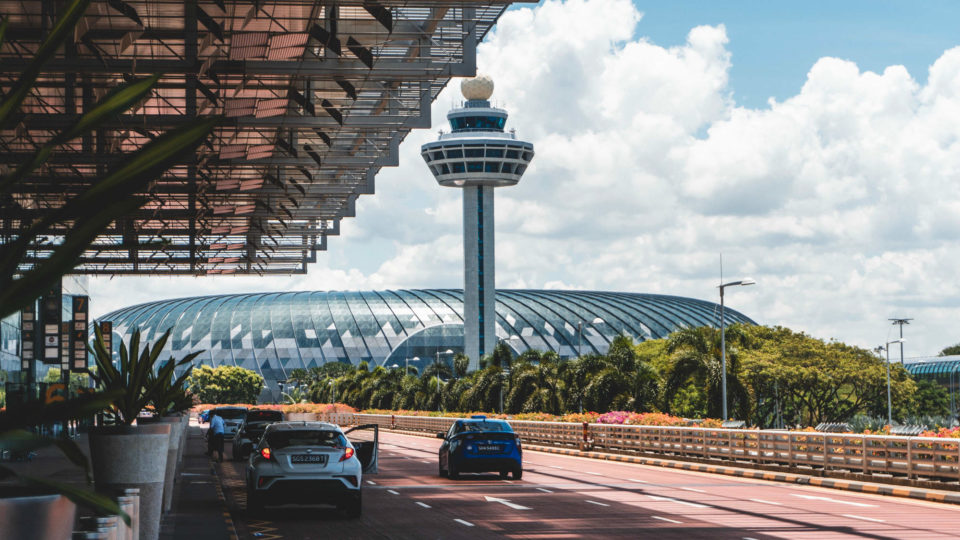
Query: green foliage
295, 395
951, 350
225, 384
171, 395
132, 380
930, 399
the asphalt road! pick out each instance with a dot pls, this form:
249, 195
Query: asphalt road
570, 497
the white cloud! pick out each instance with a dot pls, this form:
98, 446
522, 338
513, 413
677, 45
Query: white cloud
841, 200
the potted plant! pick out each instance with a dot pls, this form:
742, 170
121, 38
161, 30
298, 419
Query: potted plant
124, 455
169, 400
36, 507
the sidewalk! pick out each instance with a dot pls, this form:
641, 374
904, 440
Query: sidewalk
199, 509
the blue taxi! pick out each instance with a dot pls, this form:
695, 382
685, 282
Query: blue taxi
480, 444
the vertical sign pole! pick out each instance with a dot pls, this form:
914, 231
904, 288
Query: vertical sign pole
28, 343
78, 341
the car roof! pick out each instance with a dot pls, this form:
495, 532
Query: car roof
230, 409
483, 420
301, 425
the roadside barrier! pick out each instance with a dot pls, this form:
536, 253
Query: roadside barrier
882, 457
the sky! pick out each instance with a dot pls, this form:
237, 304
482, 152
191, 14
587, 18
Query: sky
815, 146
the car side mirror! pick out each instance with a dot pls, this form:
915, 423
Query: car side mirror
441, 435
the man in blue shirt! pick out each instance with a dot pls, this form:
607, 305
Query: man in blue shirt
215, 436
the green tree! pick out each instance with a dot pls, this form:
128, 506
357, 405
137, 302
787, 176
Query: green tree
951, 350
695, 356
930, 399
225, 384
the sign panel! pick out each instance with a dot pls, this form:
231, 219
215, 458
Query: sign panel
55, 392
65, 352
51, 313
28, 337
78, 339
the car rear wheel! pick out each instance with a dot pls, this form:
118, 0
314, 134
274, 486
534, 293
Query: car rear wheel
353, 506
441, 472
518, 473
254, 502
504, 474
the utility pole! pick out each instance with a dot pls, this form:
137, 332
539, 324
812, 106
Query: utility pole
900, 323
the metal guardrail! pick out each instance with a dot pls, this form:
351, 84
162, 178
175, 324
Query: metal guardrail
883, 456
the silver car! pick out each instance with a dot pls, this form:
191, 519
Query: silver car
311, 463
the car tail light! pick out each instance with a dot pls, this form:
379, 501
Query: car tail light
266, 453
347, 454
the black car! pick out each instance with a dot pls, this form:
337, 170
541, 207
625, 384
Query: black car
251, 430
479, 444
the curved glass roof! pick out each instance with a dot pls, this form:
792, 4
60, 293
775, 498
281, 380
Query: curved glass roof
273, 333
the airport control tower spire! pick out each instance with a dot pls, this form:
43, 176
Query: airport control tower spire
477, 155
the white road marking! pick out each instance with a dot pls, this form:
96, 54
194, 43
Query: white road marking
508, 481
594, 473
748, 538
425, 505
555, 467
863, 518
693, 489
598, 503
544, 490
371, 482
427, 462
638, 481
666, 519
467, 523
392, 491
505, 502
767, 502
668, 499
828, 499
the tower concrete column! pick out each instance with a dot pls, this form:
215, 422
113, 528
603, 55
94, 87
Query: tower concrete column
479, 274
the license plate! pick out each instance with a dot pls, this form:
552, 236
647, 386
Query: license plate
489, 448
308, 459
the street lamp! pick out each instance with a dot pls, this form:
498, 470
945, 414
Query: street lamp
280, 390
723, 340
333, 393
511, 338
596, 320
439, 393
406, 364
889, 399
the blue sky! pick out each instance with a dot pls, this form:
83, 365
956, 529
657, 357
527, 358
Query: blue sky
774, 43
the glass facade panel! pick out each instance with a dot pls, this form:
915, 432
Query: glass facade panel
273, 333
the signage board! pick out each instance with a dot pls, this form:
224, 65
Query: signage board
79, 333
28, 337
51, 314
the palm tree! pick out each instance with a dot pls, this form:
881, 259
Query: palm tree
696, 357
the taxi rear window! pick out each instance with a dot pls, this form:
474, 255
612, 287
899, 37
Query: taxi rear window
264, 416
486, 426
230, 414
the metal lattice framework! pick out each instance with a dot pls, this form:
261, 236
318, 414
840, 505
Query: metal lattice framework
316, 97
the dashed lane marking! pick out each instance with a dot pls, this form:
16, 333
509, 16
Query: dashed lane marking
875, 520
544, 490
392, 491
463, 522
667, 519
767, 502
693, 489
668, 499
425, 505
837, 501
638, 481
598, 503
594, 473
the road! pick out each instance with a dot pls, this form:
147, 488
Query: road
570, 497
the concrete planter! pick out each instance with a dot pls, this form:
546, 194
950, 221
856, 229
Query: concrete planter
301, 417
185, 424
33, 513
133, 457
176, 435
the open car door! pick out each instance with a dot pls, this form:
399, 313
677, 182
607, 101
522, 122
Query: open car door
366, 439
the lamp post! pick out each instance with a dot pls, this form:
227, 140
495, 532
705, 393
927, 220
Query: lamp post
407, 364
439, 393
333, 393
596, 320
723, 340
889, 398
280, 390
511, 338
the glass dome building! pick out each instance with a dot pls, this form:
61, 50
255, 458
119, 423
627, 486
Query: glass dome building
273, 333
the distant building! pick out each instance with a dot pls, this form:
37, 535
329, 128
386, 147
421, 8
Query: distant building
274, 333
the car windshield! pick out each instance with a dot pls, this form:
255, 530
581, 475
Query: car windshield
264, 416
302, 437
486, 426
230, 414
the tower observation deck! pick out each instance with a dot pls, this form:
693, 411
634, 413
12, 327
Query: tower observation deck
478, 155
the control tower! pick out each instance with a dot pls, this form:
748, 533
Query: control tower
477, 156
